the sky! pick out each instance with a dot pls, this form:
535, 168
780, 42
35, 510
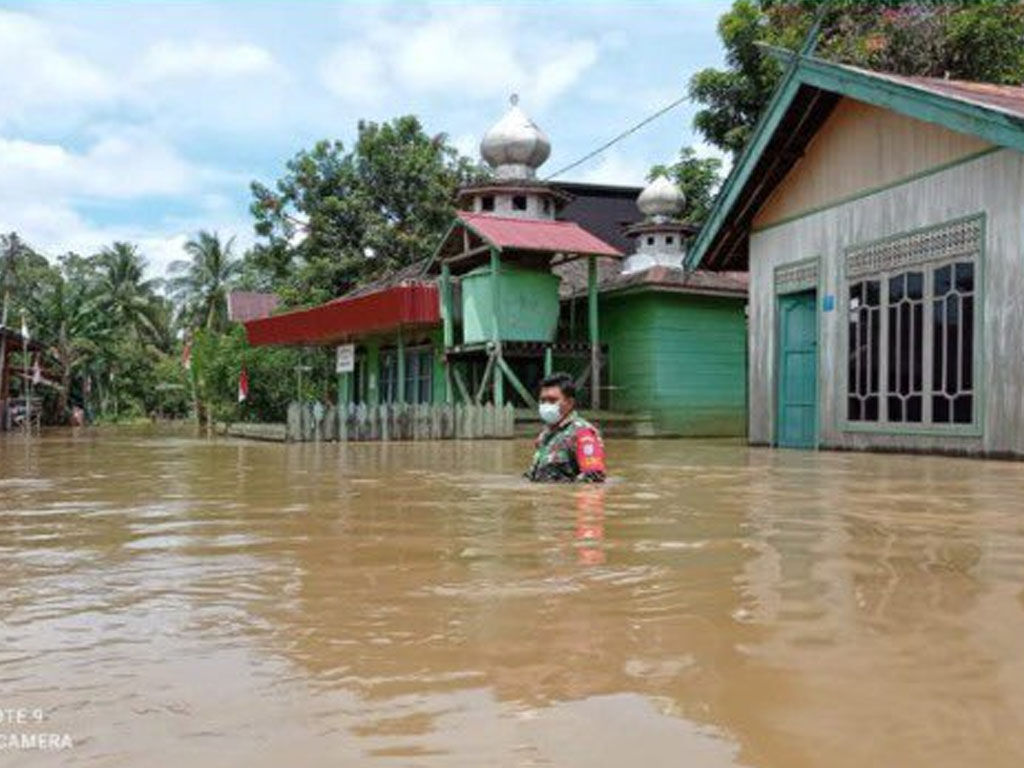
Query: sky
147, 121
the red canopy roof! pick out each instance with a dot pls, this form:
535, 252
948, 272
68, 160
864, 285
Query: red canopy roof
536, 234
403, 305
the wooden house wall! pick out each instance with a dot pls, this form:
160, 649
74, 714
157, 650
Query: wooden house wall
679, 357
862, 147
992, 184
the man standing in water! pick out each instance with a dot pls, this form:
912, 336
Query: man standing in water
568, 449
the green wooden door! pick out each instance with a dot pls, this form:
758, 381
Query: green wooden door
798, 371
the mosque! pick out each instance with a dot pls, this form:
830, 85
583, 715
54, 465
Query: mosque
534, 276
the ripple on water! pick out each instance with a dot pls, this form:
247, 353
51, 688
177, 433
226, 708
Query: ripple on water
211, 603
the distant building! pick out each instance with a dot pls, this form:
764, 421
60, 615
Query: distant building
19, 360
534, 276
882, 221
244, 306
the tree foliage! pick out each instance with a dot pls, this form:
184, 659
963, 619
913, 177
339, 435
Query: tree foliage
980, 40
200, 284
104, 325
337, 217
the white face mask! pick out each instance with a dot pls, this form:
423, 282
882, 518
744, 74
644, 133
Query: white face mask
549, 413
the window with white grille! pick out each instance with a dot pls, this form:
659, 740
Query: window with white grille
911, 328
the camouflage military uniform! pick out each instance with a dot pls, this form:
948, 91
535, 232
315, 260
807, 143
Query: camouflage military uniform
569, 451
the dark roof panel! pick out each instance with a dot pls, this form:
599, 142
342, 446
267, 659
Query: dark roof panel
603, 210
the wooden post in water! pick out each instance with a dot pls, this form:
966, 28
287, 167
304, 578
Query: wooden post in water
595, 342
400, 394
448, 317
499, 379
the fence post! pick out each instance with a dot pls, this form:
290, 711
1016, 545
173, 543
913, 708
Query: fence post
293, 431
509, 425
362, 425
488, 425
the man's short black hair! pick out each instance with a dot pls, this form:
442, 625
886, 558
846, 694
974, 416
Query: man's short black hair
561, 380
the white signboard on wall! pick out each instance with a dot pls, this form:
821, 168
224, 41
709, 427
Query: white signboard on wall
345, 362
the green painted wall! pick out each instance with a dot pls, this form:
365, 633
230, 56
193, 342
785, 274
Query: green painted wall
439, 388
681, 358
527, 305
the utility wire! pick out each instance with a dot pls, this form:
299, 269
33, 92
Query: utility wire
620, 137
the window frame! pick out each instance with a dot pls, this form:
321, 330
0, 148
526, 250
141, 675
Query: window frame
419, 368
927, 266
385, 354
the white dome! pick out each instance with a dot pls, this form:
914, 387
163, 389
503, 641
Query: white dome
514, 146
661, 198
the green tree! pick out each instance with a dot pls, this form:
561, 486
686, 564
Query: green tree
698, 178
337, 217
72, 327
979, 40
128, 299
201, 284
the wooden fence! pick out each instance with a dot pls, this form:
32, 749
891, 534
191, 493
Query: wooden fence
311, 422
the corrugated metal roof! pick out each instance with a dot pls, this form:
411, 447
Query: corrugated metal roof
406, 305
536, 235
250, 305
1005, 98
574, 280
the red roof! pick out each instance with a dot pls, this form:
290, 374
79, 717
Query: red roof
536, 234
404, 305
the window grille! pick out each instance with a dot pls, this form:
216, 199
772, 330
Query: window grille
796, 277
911, 334
419, 375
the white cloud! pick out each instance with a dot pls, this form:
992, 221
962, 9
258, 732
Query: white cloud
474, 51
466, 144
168, 60
703, 149
126, 164
614, 168
36, 72
354, 73
54, 227
44, 185
563, 69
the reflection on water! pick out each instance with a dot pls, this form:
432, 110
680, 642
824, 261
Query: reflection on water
169, 601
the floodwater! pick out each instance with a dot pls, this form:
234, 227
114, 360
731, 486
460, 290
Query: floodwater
166, 601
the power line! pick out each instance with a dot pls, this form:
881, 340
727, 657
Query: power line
620, 137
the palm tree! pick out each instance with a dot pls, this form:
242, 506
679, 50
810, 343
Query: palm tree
128, 300
201, 283
67, 311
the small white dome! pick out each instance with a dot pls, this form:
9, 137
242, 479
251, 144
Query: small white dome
661, 198
514, 146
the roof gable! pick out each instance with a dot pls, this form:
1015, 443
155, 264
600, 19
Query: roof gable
861, 148
803, 101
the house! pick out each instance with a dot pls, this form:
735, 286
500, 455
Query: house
534, 276
881, 218
19, 360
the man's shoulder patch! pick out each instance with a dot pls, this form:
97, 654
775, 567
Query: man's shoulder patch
589, 450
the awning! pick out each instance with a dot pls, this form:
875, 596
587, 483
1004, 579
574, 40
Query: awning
407, 305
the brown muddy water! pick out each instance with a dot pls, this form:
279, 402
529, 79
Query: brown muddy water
175, 602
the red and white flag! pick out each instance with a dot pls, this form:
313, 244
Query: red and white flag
37, 372
243, 386
186, 355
